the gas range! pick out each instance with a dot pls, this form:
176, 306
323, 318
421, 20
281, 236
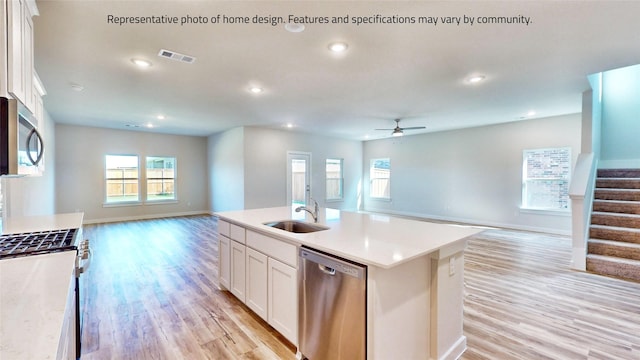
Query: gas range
41, 243
37, 243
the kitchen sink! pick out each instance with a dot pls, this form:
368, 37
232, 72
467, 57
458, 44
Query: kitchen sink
296, 226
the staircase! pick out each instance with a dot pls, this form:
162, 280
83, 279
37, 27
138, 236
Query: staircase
614, 236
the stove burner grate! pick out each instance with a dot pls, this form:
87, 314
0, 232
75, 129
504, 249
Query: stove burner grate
36, 243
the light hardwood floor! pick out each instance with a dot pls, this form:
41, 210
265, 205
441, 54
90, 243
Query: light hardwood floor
151, 293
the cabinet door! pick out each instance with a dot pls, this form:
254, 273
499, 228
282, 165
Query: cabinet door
256, 294
28, 63
16, 62
283, 299
224, 261
238, 270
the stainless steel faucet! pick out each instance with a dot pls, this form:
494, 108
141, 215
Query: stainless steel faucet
314, 212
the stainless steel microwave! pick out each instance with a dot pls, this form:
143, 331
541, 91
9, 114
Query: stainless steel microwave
21, 145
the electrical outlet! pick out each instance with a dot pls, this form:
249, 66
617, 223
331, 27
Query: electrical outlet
452, 266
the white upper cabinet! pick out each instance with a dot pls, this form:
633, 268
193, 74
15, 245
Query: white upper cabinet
19, 50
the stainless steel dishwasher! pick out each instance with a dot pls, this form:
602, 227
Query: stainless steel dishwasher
332, 307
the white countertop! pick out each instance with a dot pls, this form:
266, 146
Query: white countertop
372, 239
33, 296
17, 225
34, 291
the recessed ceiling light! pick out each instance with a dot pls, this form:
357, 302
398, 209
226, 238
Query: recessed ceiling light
289, 125
293, 27
141, 63
475, 79
160, 117
256, 89
149, 125
531, 113
338, 47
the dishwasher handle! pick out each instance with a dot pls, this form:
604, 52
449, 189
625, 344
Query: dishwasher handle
327, 270
332, 265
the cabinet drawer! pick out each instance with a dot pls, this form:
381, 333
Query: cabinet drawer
236, 233
274, 248
223, 228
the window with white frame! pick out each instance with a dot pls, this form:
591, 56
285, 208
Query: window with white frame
122, 179
545, 178
161, 178
334, 179
380, 178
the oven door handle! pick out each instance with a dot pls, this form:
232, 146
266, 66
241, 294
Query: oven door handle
84, 258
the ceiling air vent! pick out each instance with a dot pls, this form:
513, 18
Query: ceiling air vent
176, 56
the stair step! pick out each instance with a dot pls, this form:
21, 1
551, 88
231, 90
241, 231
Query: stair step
619, 173
617, 206
614, 249
614, 233
617, 194
616, 267
618, 183
614, 219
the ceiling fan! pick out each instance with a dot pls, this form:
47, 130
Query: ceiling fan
399, 131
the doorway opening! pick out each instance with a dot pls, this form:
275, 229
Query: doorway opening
298, 178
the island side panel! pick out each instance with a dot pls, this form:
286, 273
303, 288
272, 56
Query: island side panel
447, 291
398, 301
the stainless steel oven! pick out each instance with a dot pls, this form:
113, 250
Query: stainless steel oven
41, 243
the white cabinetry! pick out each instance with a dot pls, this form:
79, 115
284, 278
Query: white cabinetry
19, 51
224, 255
67, 343
237, 286
3, 48
283, 299
237, 261
261, 271
224, 261
256, 294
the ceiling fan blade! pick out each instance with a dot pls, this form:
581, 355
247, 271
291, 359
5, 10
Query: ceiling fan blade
414, 128
385, 129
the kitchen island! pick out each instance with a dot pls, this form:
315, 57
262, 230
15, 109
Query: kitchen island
414, 283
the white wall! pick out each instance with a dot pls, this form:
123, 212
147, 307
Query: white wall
79, 161
34, 195
264, 160
266, 166
225, 153
471, 175
621, 118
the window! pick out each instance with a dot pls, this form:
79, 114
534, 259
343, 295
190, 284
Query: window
380, 176
545, 179
334, 179
161, 178
122, 180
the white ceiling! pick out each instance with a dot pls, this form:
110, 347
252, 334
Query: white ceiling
412, 71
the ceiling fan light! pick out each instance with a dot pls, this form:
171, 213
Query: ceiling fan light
397, 132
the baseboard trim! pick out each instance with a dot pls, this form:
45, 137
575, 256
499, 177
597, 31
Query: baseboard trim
144, 217
456, 350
